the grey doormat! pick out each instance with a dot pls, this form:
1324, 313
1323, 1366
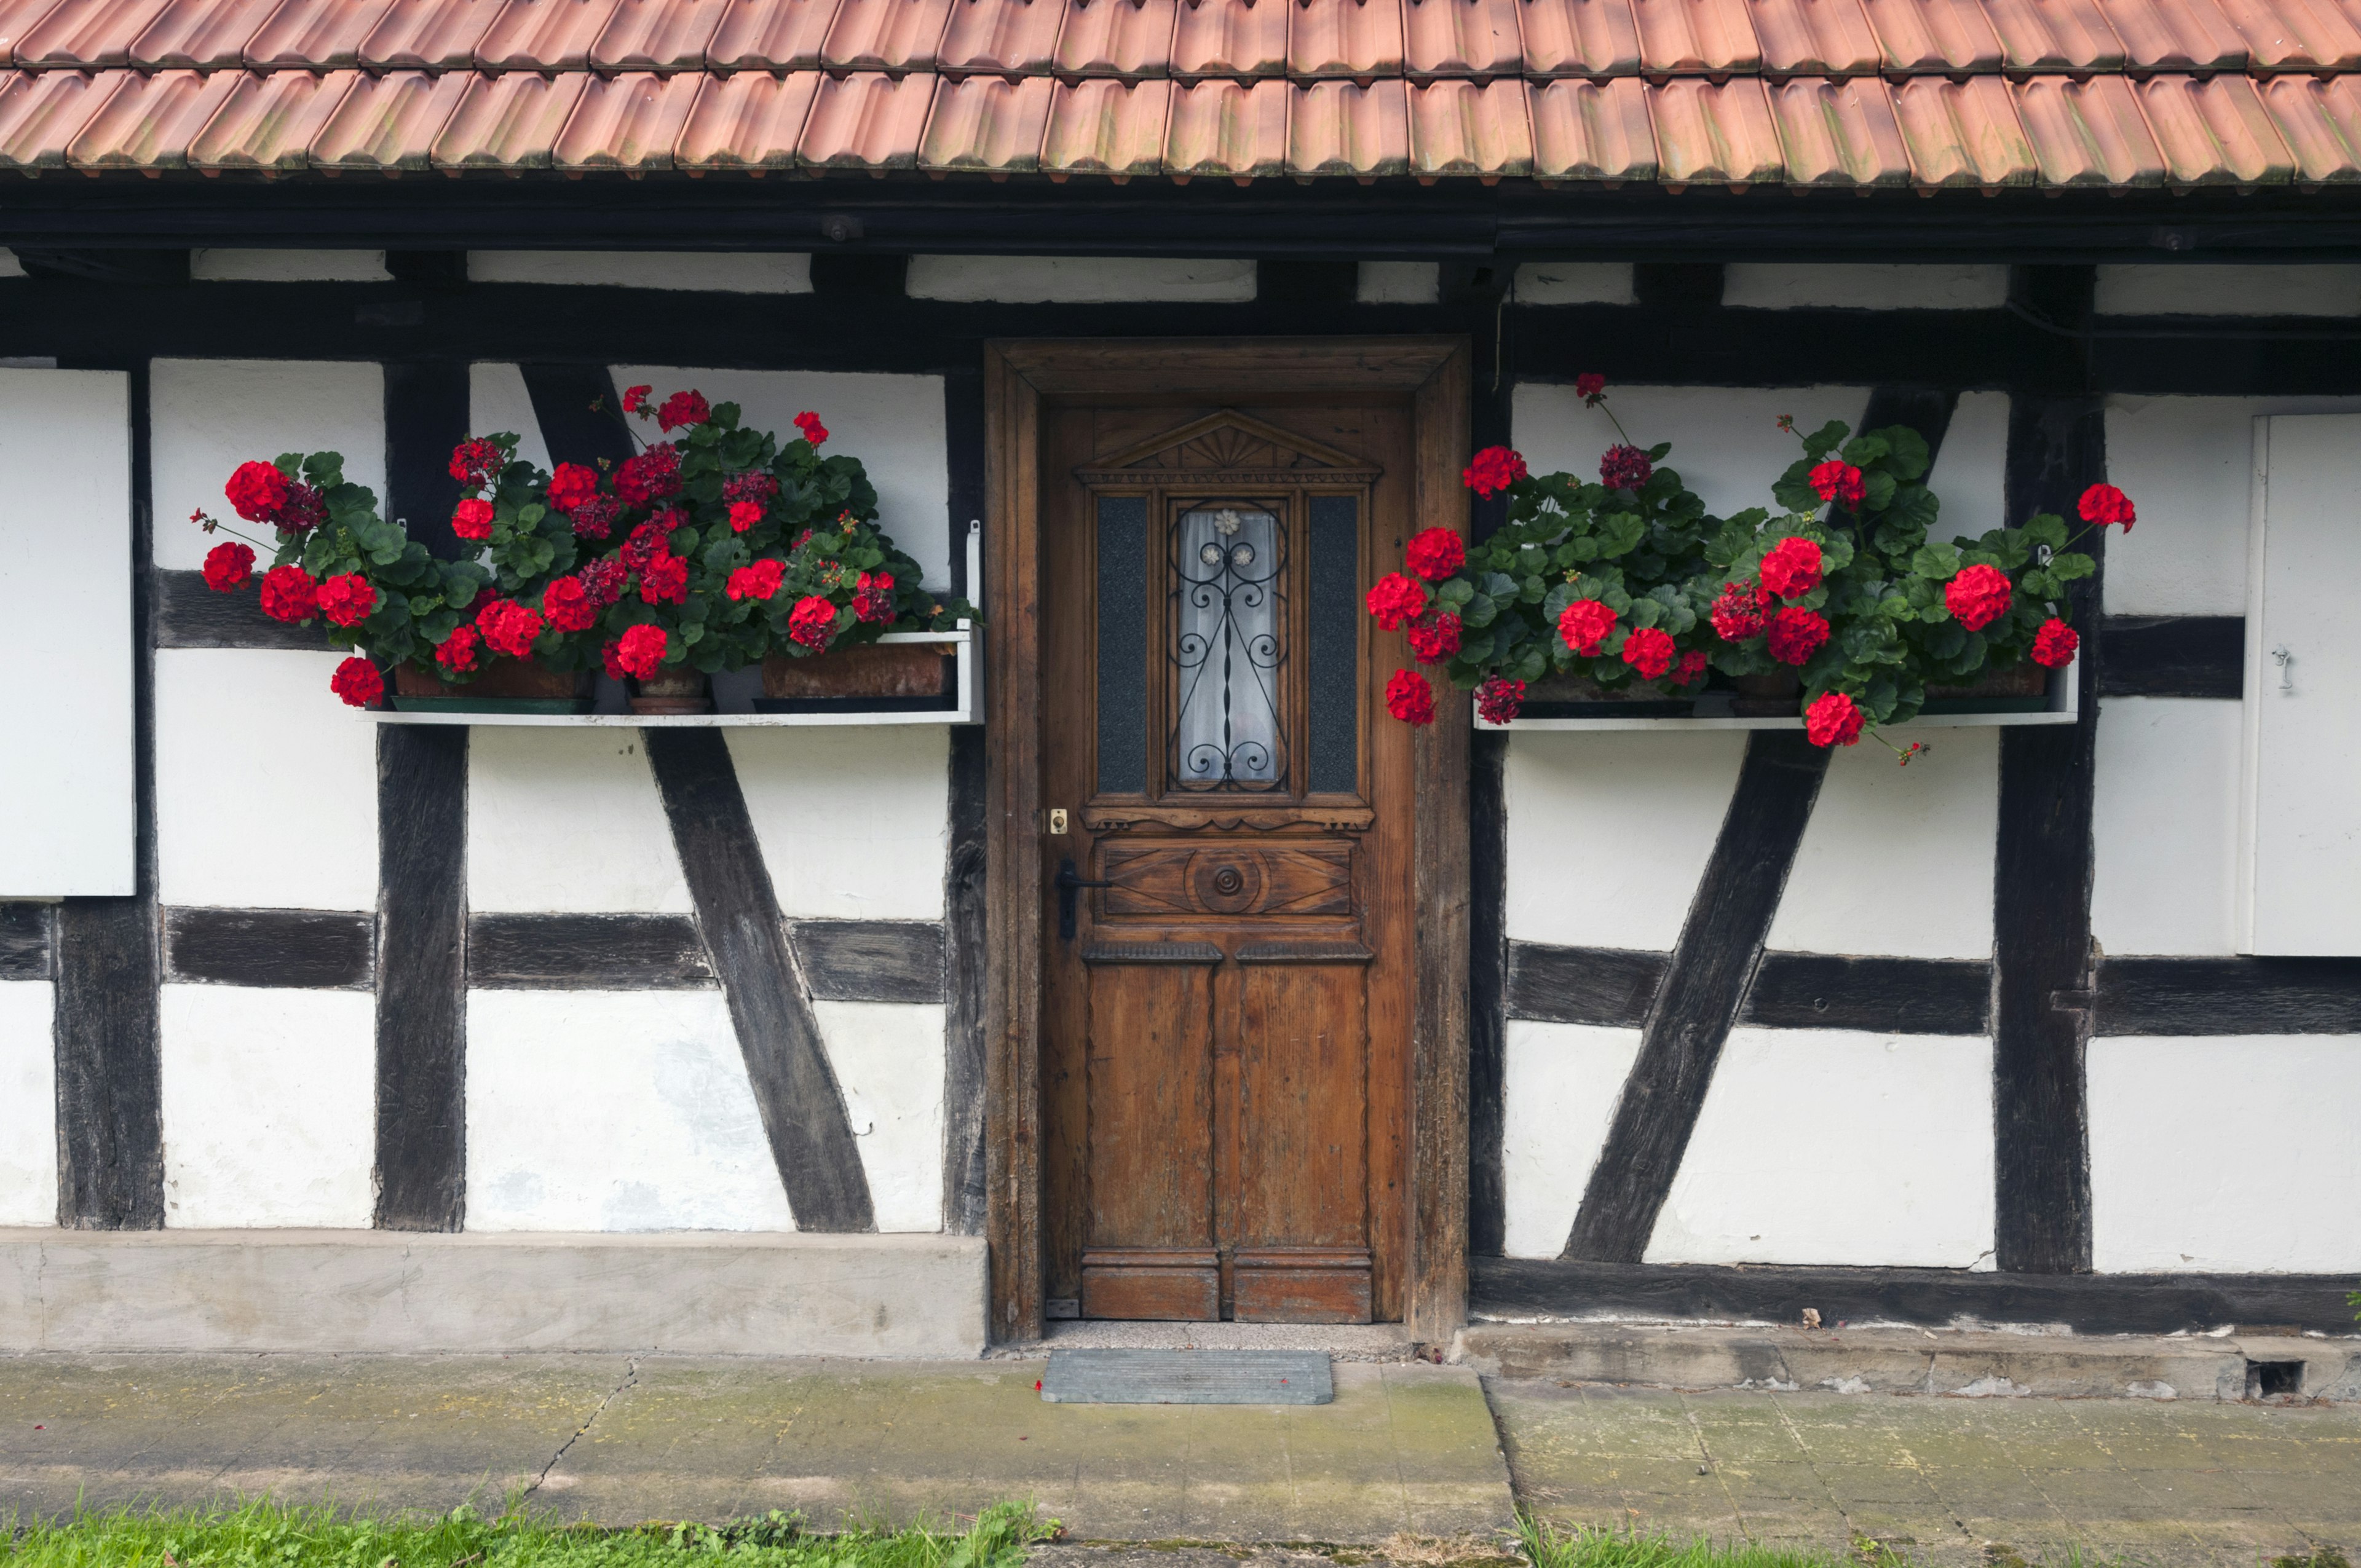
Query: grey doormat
1187, 1378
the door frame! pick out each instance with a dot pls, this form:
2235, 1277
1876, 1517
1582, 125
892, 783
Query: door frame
1018, 374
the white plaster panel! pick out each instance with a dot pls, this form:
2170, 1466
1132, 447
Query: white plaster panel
497, 400
223, 266
1898, 861
1726, 444
893, 423
536, 797
854, 823
28, 1103
888, 1061
1561, 1085
9, 265
2232, 1153
207, 416
1779, 286
2165, 826
2229, 290
1609, 831
1574, 283
1398, 283
1833, 1146
714, 272
613, 1110
1079, 280
270, 1107
265, 783
1971, 473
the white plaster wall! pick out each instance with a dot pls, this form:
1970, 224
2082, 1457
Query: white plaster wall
497, 400
1971, 473
9, 265
288, 267
1562, 1081
269, 1106
854, 823
1079, 280
730, 272
888, 1061
2229, 290
28, 1104
893, 423
1831, 1147
265, 783
2232, 1153
1574, 283
2165, 826
1398, 283
613, 1110
1726, 444
537, 797
1898, 861
1778, 285
207, 416
1609, 831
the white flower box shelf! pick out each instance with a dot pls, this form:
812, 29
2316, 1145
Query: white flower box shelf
2065, 707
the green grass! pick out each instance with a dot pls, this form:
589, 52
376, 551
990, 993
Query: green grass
1546, 1546
262, 1534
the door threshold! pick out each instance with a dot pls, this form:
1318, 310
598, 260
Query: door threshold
1349, 1342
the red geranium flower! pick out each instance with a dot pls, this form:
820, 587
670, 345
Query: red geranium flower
2103, 504
682, 410
638, 653
650, 475
1395, 599
510, 627
759, 581
1692, 669
1832, 720
358, 682
1434, 637
650, 540
665, 579
228, 566
1500, 699
1737, 613
635, 399
1978, 595
1624, 468
472, 519
1583, 624
814, 431
289, 593
566, 605
812, 622
2054, 644
1409, 698
1838, 482
603, 580
1435, 552
305, 509
1795, 634
348, 598
744, 515
754, 487
258, 491
1791, 569
1493, 470
476, 463
573, 484
873, 596
1590, 386
1649, 651
595, 516
456, 652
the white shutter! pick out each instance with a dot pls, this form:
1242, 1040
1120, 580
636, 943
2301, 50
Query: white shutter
2300, 888
66, 823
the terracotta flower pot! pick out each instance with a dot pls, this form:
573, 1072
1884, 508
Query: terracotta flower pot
906, 674
1564, 695
673, 691
2022, 687
505, 685
1779, 694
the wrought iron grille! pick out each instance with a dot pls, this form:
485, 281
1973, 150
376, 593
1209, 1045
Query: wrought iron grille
1229, 602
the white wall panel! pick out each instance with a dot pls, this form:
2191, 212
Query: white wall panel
66, 771
1726, 444
2230, 1154
1830, 1146
269, 1106
1898, 861
1079, 280
1778, 285
567, 819
2229, 290
731, 272
9, 265
854, 823
1574, 283
888, 1061
1609, 831
265, 783
207, 416
497, 400
893, 423
28, 1103
2165, 826
1398, 283
1971, 473
613, 1110
227, 266
1561, 1084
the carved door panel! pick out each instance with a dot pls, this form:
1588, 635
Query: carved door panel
1227, 956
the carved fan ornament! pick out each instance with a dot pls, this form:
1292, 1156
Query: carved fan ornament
1238, 450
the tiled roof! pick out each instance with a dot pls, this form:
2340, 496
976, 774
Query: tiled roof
1859, 94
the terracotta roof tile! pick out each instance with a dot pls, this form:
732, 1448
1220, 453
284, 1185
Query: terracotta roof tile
869, 120
315, 34
886, 34
2214, 132
1228, 128
1229, 38
1360, 39
2071, 36
2320, 122
87, 35
1117, 38
1579, 38
268, 122
1106, 126
2088, 133
1592, 130
1962, 133
544, 35
147, 122
1951, 37
1716, 133
387, 124
1459, 127
748, 120
1696, 38
1814, 37
2176, 34
508, 122
627, 123
1462, 38
657, 35
1840, 134
429, 35
1009, 38
16, 18
39, 114
1344, 128
200, 34
988, 124
2296, 35
770, 35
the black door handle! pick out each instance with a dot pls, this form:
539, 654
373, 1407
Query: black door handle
1070, 883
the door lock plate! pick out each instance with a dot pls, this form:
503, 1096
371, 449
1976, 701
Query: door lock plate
1058, 819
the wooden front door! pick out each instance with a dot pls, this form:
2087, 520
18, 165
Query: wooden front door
1228, 957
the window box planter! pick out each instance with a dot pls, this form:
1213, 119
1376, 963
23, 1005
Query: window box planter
895, 678
2021, 689
508, 686
674, 691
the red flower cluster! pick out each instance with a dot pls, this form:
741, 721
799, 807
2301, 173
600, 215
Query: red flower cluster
753, 487
1791, 569
814, 431
257, 491
472, 519
1738, 612
638, 653
1624, 468
594, 517
1978, 595
812, 621
744, 515
358, 682
682, 410
759, 581
1832, 720
305, 509
1590, 386
1795, 634
873, 596
348, 598
573, 484
603, 581
475, 464
1435, 552
665, 579
1500, 699
1493, 470
650, 538
650, 475
636, 397
1583, 624
566, 604
1434, 637
510, 627
1396, 600
1409, 698
2054, 644
1692, 669
228, 566
1650, 651
289, 593
1838, 482
456, 652
2105, 504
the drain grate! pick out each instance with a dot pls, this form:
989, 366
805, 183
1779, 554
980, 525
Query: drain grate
1187, 1378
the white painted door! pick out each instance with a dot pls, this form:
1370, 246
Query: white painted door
2301, 889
